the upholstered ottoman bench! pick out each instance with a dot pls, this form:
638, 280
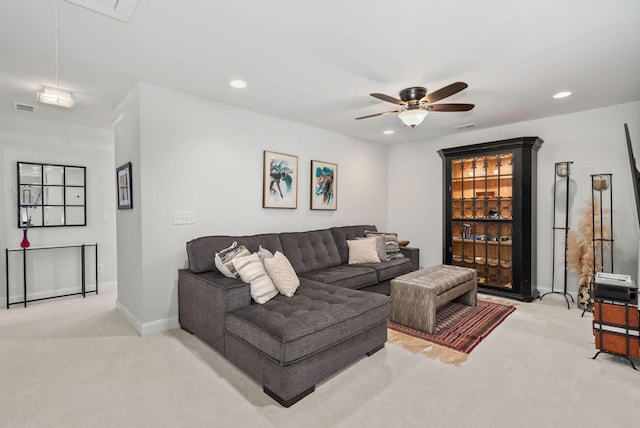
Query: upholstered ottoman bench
415, 296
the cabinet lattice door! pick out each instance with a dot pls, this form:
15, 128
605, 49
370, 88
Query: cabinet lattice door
489, 212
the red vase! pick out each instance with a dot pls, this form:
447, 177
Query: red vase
25, 242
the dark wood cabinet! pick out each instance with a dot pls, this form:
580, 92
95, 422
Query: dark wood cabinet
490, 213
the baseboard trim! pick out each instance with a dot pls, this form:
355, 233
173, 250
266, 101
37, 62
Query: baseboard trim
148, 328
108, 286
68, 291
158, 326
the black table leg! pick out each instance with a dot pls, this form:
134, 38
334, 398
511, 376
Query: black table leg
96, 268
82, 262
24, 272
7, 273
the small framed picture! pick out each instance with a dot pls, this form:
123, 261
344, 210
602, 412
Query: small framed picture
324, 185
123, 180
279, 180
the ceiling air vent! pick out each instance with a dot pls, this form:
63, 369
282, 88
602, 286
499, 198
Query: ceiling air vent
117, 9
23, 107
466, 126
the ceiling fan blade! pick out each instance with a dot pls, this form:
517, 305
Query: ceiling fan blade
445, 92
378, 114
388, 99
450, 107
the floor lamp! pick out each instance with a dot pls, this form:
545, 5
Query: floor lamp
563, 171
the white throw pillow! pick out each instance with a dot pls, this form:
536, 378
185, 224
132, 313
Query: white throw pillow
363, 251
381, 247
224, 258
281, 272
252, 270
263, 253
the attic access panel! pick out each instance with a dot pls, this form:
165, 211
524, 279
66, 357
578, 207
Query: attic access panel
117, 9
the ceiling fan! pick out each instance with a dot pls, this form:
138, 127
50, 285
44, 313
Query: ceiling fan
417, 103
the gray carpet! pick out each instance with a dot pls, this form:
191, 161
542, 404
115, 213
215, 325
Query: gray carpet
76, 362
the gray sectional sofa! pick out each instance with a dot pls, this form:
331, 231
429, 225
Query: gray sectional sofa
289, 344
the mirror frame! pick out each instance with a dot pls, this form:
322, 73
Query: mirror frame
41, 203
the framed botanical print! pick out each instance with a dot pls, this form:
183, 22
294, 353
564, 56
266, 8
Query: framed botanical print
279, 180
324, 185
123, 180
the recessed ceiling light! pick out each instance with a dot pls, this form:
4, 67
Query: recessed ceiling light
563, 94
238, 84
388, 131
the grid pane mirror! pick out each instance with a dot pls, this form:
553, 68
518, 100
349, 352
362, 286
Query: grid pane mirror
51, 195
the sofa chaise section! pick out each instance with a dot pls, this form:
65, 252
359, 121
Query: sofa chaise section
293, 344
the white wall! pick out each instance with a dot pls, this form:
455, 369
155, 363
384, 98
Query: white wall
206, 157
24, 138
594, 140
129, 221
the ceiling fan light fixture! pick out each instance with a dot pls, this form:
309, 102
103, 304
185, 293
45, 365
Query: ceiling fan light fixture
413, 117
56, 97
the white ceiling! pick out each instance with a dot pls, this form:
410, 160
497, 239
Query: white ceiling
316, 62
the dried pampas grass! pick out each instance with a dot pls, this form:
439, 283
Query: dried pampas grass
582, 245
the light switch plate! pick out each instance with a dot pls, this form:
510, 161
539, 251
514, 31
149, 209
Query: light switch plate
184, 217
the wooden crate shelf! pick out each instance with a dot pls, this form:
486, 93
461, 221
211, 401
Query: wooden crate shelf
616, 328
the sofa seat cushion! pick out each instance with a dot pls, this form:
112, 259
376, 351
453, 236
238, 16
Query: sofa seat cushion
347, 276
317, 317
390, 269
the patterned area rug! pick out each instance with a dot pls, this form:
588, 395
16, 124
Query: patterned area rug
459, 329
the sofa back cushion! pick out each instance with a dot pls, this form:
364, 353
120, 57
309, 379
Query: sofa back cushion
202, 251
346, 233
310, 251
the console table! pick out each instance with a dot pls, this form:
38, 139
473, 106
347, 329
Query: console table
25, 251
